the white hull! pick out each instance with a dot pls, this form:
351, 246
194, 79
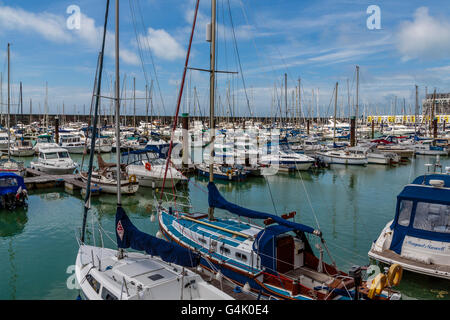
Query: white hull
173, 282
342, 160
52, 169
111, 186
22, 152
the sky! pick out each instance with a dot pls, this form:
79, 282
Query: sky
315, 43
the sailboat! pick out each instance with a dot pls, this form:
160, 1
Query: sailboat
159, 273
9, 164
275, 260
341, 156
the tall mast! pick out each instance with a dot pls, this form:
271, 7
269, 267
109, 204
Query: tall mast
21, 102
416, 109
357, 102
134, 103
285, 96
9, 103
119, 198
335, 108
212, 98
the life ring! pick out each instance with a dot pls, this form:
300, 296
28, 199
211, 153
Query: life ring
148, 166
229, 172
377, 286
394, 275
132, 178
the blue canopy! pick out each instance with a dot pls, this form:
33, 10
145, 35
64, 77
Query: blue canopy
216, 200
265, 245
425, 179
10, 183
420, 191
131, 237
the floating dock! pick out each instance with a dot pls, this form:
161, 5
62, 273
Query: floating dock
39, 180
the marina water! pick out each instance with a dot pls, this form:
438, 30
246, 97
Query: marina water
349, 204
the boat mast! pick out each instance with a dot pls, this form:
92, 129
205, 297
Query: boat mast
357, 104
9, 103
117, 101
211, 98
416, 110
335, 107
97, 86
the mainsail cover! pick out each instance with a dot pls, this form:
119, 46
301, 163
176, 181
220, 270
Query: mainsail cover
216, 200
128, 236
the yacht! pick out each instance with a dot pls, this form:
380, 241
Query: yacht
4, 143
149, 170
44, 141
106, 178
419, 235
54, 160
281, 158
342, 157
72, 142
22, 148
375, 156
137, 276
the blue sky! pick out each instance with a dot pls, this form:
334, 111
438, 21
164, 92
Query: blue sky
320, 42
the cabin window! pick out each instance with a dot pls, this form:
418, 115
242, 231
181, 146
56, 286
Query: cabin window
8, 182
405, 212
63, 154
94, 283
51, 155
432, 217
241, 256
202, 240
224, 250
107, 295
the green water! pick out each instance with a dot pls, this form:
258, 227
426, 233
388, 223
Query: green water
351, 205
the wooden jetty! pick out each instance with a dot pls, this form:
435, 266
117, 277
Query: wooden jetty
39, 180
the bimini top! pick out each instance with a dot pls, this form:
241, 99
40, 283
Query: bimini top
423, 211
10, 183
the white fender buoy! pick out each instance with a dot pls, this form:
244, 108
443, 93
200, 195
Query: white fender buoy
199, 269
246, 287
159, 235
152, 218
219, 276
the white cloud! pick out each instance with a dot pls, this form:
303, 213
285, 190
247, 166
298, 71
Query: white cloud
162, 44
48, 25
53, 28
425, 37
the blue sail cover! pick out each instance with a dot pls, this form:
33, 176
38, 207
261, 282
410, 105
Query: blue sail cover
216, 200
10, 183
128, 236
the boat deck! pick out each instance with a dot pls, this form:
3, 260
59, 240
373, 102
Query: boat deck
228, 287
390, 257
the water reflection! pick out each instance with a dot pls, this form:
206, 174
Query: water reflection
12, 222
